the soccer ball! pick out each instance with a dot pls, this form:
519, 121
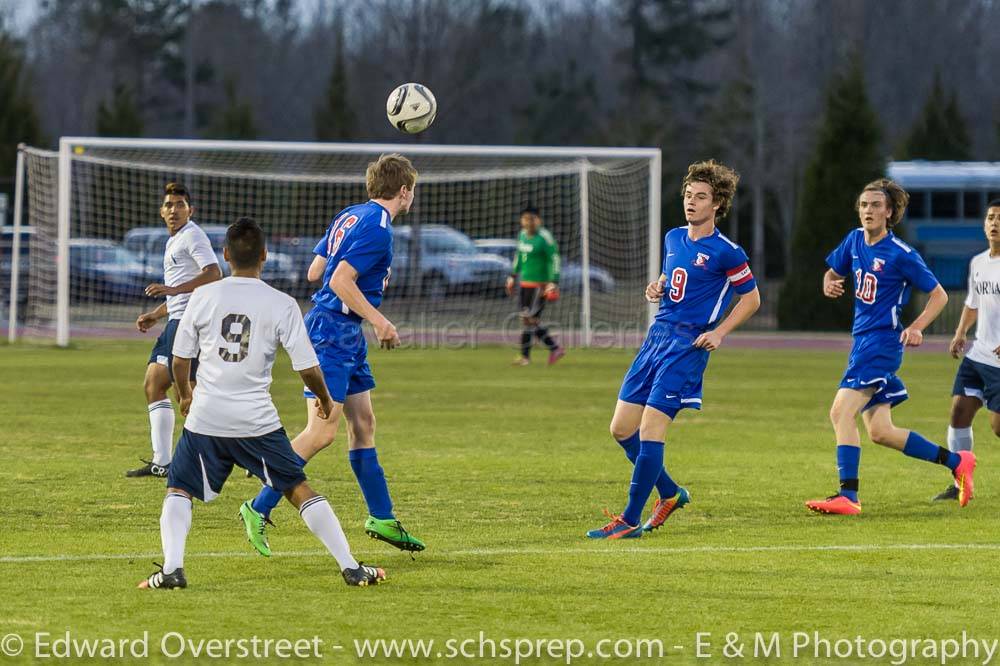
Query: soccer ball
411, 108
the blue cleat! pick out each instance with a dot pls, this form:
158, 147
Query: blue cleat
616, 529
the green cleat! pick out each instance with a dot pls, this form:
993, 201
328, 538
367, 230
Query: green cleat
392, 532
255, 524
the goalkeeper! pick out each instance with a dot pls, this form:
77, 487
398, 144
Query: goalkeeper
537, 264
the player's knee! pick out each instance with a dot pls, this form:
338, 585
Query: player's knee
837, 413
881, 433
620, 431
154, 388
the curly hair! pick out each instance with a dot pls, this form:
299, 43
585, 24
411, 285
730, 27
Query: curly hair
719, 177
896, 198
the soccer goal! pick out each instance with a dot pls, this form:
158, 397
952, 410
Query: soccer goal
88, 236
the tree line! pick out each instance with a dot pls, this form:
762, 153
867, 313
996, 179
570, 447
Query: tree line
808, 99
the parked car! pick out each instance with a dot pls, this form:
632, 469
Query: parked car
102, 270
300, 250
7, 263
149, 242
449, 263
570, 273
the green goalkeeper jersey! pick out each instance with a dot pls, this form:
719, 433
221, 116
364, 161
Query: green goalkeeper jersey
537, 259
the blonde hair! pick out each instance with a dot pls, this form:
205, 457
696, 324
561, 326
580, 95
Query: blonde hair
386, 175
895, 197
719, 177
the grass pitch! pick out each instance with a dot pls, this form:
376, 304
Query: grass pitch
501, 470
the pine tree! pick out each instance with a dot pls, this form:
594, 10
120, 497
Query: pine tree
121, 116
235, 120
18, 120
847, 157
334, 118
940, 132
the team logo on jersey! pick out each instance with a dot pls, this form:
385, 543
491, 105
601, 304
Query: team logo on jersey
701, 259
877, 264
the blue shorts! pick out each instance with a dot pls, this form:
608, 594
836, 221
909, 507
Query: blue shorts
667, 372
342, 352
202, 463
978, 380
874, 360
163, 350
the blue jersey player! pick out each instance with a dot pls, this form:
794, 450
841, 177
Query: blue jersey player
884, 270
702, 270
354, 258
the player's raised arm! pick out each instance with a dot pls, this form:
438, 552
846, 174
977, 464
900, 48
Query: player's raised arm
344, 284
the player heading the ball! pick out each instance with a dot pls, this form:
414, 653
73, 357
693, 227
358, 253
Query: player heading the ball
884, 270
702, 269
353, 257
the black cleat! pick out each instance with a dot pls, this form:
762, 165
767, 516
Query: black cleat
363, 576
174, 580
949, 493
149, 469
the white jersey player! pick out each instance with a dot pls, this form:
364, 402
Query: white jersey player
977, 382
235, 327
188, 262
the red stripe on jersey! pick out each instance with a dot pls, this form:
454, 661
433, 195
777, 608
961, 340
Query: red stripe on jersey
743, 280
739, 269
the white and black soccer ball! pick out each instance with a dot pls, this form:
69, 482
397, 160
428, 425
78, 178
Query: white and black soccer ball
411, 108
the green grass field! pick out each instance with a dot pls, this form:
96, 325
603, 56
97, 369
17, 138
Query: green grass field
501, 470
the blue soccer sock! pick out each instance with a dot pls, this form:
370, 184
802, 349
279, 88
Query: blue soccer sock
848, 460
371, 478
648, 466
268, 497
631, 446
919, 447
665, 486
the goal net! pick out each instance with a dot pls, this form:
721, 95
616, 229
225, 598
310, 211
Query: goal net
92, 237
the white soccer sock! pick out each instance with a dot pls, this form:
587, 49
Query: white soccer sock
322, 521
161, 430
175, 523
959, 439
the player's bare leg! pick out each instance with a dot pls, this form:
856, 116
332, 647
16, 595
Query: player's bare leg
878, 421
319, 517
360, 417
318, 433
161, 422
844, 418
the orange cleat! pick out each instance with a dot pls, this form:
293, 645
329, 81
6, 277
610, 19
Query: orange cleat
963, 476
835, 504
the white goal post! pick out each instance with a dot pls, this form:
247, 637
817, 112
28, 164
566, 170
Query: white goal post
91, 225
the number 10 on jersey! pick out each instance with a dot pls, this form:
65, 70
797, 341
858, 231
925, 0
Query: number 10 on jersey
866, 286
